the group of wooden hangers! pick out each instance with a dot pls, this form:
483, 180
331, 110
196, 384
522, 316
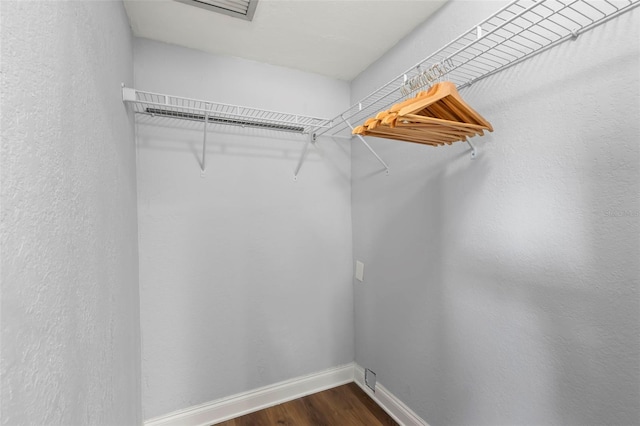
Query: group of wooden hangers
437, 116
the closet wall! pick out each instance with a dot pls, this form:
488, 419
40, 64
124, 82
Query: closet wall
70, 307
504, 290
245, 274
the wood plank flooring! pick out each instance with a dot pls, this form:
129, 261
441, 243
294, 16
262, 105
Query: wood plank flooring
345, 405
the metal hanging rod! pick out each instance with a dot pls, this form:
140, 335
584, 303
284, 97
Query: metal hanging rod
514, 33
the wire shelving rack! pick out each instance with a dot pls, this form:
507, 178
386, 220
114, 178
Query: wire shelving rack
514, 33
161, 109
166, 107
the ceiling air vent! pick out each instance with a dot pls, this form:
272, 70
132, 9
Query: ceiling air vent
243, 9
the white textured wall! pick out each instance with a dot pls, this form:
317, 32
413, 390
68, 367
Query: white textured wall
245, 274
504, 290
70, 306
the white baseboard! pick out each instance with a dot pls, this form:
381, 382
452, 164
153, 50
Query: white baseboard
258, 399
268, 396
388, 401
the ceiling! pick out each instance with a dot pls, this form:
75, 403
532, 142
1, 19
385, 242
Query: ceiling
338, 39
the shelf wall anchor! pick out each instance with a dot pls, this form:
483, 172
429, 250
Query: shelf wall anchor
474, 152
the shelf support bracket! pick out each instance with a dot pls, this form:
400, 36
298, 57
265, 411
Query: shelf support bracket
303, 155
367, 145
204, 144
474, 152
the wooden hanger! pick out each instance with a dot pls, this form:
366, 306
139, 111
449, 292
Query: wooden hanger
428, 133
444, 101
420, 127
437, 116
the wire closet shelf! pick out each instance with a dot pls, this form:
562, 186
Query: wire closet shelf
158, 108
516, 32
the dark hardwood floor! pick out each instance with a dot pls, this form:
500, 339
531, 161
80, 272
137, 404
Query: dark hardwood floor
345, 405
